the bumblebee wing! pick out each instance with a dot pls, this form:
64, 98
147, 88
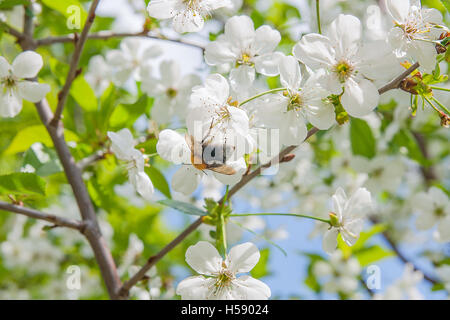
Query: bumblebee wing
223, 169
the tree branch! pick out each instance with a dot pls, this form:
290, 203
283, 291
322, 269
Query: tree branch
10, 30
73, 71
105, 35
90, 160
56, 131
427, 171
394, 84
123, 292
31, 213
400, 255
73, 173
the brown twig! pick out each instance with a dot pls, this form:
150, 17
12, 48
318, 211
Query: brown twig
14, 32
90, 160
395, 84
400, 255
427, 171
35, 214
73, 71
105, 35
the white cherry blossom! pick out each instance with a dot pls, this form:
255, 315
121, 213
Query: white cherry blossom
187, 15
221, 281
289, 110
171, 91
13, 87
347, 217
213, 113
433, 208
123, 147
350, 67
415, 29
128, 62
246, 50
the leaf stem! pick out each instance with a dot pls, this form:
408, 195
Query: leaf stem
439, 88
440, 104
432, 105
281, 214
318, 16
261, 94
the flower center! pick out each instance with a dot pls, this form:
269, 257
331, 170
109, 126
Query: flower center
295, 102
192, 5
245, 59
171, 93
9, 82
439, 212
344, 70
223, 280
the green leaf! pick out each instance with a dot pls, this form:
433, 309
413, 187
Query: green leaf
261, 269
9, 4
83, 94
372, 254
38, 133
22, 183
183, 207
362, 139
159, 181
124, 115
446, 4
438, 287
311, 280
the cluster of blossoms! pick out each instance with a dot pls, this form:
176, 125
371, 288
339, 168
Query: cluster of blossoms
323, 76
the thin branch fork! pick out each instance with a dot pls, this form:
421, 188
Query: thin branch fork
73, 71
123, 292
35, 214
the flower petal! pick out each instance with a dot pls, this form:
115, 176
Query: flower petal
27, 65
188, 21
329, 242
143, 185
195, 288
266, 40
243, 258
398, 9
204, 258
248, 288
172, 147
10, 103
290, 74
162, 9
33, 91
186, 180
122, 144
360, 98
4, 67
315, 51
